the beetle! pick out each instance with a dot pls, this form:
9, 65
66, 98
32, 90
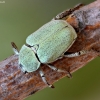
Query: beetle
48, 44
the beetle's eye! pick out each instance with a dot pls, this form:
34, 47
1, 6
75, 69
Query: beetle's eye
20, 65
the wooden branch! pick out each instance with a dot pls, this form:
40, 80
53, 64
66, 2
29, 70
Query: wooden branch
15, 85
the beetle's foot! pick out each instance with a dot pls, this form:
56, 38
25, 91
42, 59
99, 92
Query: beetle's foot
51, 86
69, 75
15, 49
96, 50
44, 79
68, 54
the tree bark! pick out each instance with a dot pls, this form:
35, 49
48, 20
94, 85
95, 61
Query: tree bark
15, 85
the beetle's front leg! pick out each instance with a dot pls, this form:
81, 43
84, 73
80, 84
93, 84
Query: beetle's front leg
59, 70
15, 49
67, 54
44, 79
66, 13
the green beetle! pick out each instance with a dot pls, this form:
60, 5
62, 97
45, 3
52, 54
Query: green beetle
46, 45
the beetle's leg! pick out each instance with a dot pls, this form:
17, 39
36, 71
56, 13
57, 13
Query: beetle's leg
59, 70
44, 79
15, 49
96, 50
67, 54
66, 13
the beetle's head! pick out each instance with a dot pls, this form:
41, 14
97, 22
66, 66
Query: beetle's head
28, 59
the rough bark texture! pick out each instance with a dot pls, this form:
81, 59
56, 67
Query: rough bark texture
15, 85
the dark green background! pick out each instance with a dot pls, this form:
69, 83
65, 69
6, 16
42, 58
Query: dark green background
19, 18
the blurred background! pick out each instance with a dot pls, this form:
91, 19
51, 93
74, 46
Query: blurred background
19, 18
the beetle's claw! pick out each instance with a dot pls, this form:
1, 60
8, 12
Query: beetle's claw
50, 85
69, 75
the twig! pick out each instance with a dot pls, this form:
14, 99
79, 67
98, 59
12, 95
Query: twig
15, 85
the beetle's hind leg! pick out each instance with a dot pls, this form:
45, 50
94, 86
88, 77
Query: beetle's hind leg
66, 13
79, 53
44, 79
68, 54
59, 70
15, 49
